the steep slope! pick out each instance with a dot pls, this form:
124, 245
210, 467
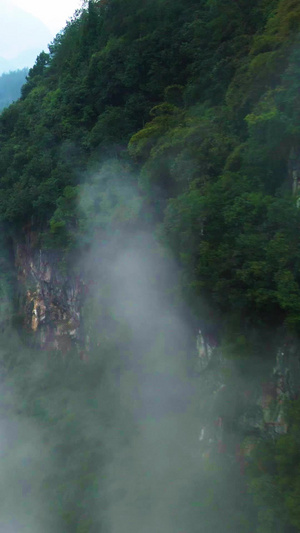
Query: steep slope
179, 119
216, 141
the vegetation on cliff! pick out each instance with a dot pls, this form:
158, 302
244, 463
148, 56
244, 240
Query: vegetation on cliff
206, 94
194, 106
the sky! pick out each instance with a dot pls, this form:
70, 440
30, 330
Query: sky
53, 13
28, 26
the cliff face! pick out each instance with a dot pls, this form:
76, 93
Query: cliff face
241, 408
246, 407
49, 299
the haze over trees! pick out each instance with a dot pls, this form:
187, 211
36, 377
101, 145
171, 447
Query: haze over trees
10, 86
180, 118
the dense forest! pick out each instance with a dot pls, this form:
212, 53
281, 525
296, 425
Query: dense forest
167, 130
10, 86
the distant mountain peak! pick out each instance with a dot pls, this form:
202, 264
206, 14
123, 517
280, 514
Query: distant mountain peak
22, 37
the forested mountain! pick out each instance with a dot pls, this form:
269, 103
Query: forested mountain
205, 95
179, 119
10, 86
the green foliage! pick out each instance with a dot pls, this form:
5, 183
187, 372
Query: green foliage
274, 477
64, 222
185, 112
206, 94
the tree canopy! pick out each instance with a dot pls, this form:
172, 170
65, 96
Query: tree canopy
195, 103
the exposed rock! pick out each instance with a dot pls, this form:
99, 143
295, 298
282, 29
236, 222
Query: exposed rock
205, 350
50, 299
243, 410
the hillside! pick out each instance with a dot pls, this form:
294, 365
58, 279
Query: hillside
154, 134
10, 87
210, 122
